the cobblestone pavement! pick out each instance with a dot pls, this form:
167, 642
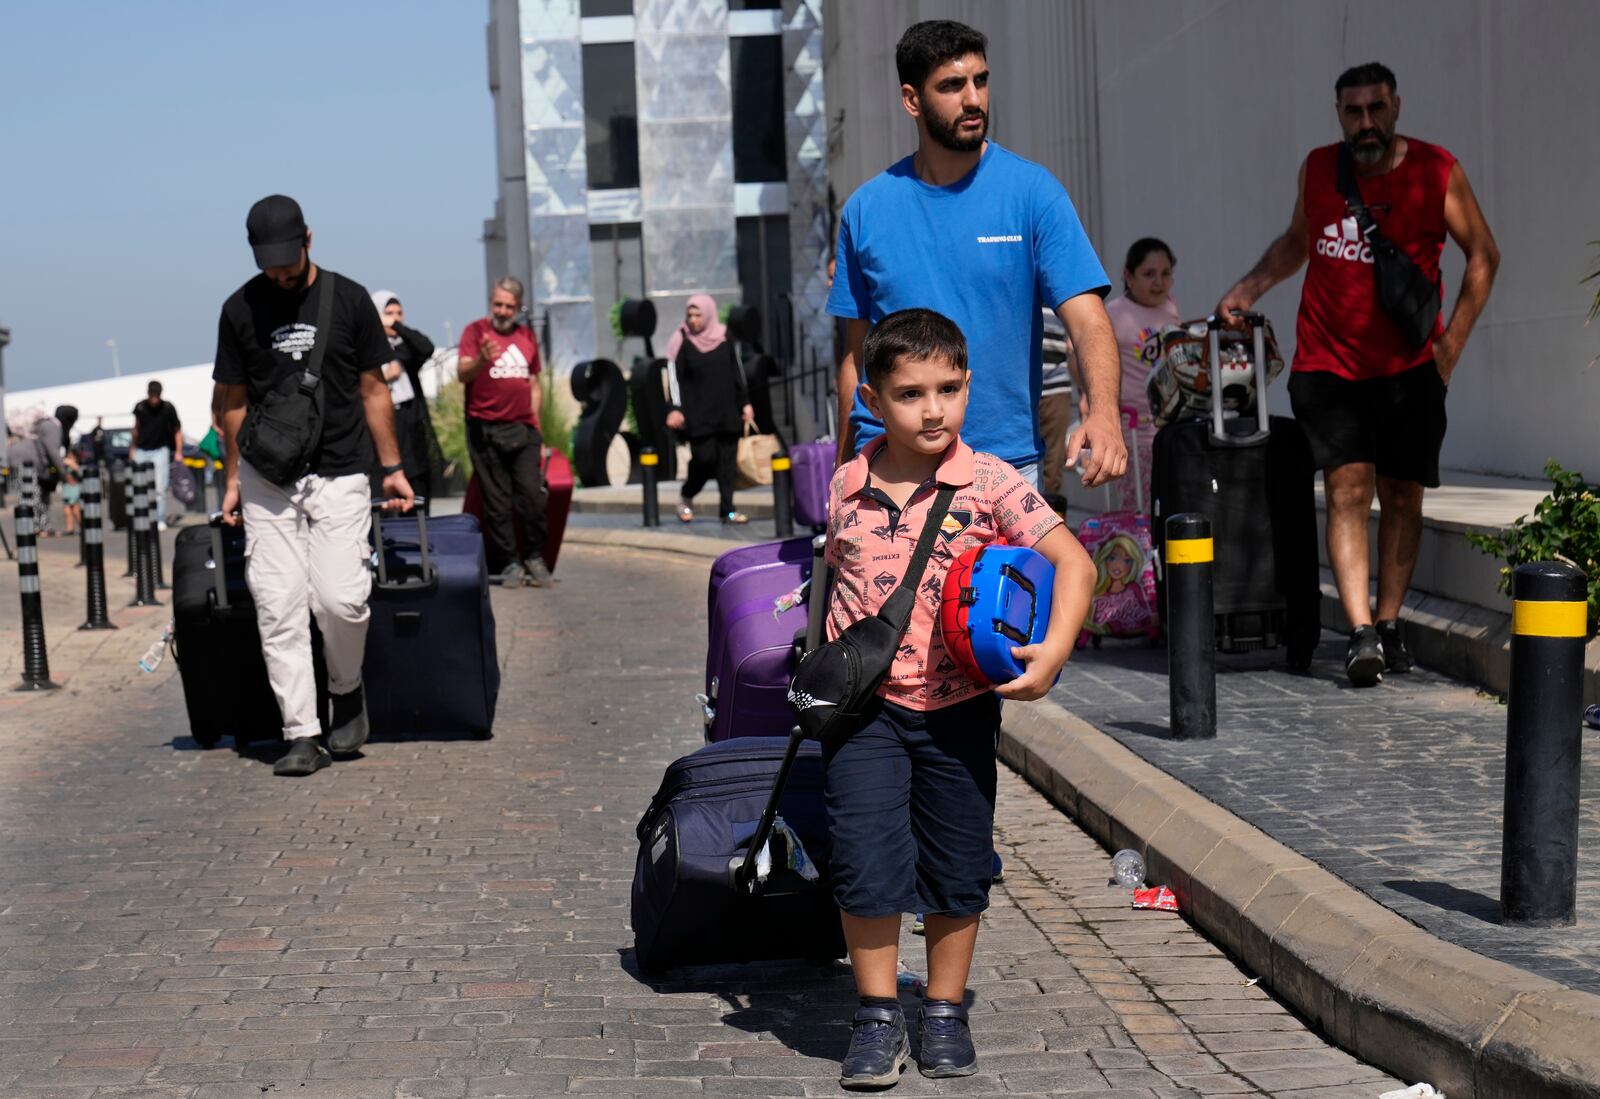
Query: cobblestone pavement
1398, 789
449, 918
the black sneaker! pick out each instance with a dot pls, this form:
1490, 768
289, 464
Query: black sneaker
946, 1045
1363, 660
879, 1049
348, 728
306, 756
1396, 657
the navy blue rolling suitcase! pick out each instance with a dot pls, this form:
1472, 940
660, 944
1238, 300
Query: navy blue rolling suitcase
431, 665
698, 895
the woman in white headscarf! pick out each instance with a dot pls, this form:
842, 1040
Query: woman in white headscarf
412, 425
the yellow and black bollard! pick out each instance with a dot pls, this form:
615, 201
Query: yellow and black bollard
1544, 745
35, 658
649, 466
1191, 628
782, 495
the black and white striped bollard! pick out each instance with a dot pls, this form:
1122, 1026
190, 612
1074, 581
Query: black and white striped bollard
129, 496
144, 560
94, 550
153, 511
35, 659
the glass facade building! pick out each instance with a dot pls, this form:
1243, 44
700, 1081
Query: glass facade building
659, 148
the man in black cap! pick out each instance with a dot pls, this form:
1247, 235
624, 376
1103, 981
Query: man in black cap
307, 520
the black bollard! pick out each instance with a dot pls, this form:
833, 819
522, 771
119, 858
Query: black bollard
782, 495
1191, 628
28, 492
649, 463
35, 659
201, 476
130, 497
1544, 746
144, 562
94, 549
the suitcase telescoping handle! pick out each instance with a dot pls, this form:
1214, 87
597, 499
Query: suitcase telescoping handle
742, 869
220, 580
1258, 335
425, 577
817, 594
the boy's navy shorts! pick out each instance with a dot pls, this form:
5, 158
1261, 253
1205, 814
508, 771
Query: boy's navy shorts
911, 810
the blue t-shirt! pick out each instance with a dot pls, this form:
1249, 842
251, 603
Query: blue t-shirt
986, 252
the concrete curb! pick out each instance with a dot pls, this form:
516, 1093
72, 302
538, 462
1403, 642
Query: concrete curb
1379, 986
659, 541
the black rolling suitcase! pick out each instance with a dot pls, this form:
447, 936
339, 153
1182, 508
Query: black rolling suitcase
701, 894
431, 666
1258, 487
215, 642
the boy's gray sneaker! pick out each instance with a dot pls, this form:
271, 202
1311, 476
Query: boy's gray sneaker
535, 574
348, 727
879, 1049
945, 1048
306, 756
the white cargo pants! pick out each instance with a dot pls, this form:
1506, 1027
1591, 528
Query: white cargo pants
307, 549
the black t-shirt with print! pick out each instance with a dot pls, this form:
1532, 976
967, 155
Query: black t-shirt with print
266, 334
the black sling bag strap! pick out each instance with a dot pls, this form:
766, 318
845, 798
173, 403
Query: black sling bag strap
835, 683
1407, 296
282, 430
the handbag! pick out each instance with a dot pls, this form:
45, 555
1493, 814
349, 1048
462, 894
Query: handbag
180, 482
834, 684
282, 430
1407, 296
754, 457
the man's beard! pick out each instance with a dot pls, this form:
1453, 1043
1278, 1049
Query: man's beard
298, 282
1369, 155
503, 326
949, 135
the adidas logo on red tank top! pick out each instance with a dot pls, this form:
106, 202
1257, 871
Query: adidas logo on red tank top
1343, 240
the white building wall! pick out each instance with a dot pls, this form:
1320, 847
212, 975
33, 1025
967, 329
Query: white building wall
1202, 110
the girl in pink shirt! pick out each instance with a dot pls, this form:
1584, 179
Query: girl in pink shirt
1137, 317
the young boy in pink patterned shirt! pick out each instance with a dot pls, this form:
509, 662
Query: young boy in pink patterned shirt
911, 793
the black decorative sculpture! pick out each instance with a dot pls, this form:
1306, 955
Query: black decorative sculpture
647, 386
597, 384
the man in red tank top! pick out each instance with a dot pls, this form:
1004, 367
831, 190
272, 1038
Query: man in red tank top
1371, 401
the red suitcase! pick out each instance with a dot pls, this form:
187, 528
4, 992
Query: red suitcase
558, 501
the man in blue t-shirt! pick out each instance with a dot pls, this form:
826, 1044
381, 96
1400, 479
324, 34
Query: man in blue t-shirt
975, 232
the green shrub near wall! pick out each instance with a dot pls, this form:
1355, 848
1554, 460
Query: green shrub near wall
450, 425
1565, 526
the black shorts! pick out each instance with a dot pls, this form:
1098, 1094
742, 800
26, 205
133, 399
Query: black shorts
1395, 423
911, 810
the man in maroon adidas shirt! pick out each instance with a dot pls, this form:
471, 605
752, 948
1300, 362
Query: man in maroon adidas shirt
499, 365
1371, 401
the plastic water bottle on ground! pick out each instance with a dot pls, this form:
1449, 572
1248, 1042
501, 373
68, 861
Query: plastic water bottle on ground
1127, 868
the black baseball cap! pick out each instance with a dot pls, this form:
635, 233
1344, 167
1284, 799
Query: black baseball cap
277, 231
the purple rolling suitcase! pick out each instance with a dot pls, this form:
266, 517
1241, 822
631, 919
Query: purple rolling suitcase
811, 470
753, 647
790, 551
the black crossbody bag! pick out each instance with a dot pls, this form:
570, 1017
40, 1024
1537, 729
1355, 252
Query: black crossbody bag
1407, 296
281, 431
835, 683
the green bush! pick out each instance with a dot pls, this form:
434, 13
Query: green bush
449, 412
555, 422
1565, 526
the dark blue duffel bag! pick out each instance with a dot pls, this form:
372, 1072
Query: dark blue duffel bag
431, 666
697, 896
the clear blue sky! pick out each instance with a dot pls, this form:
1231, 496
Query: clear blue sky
135, 136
